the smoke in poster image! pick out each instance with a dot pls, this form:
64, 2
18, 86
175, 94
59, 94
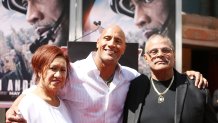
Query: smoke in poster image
138, 18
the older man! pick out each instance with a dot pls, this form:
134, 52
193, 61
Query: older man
167, 96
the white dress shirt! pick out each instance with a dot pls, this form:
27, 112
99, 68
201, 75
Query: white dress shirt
89, 98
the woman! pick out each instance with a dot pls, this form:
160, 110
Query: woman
51, 69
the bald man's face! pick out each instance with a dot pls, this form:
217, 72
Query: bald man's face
111, 44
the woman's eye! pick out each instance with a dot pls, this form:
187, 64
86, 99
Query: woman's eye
53, 69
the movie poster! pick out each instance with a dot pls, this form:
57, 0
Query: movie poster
15, 71
19, 39
138, 19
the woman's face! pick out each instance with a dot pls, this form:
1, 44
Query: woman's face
53, 78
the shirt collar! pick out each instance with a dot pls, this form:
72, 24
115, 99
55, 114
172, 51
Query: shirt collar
95, 69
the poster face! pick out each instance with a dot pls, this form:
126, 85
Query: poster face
21, 33
138, 18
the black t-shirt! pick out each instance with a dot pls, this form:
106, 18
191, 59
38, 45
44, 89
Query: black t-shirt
154, 112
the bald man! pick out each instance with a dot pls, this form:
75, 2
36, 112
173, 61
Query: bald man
167, 96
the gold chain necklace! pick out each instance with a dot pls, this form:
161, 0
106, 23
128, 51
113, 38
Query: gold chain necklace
161, 97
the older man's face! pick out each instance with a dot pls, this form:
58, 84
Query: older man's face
159, 54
